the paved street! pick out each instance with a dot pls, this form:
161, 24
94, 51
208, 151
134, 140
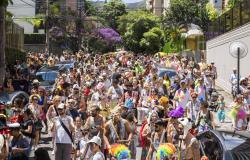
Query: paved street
46, 140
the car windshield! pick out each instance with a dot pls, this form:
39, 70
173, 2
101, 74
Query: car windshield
47, 76
238, 145
232, 141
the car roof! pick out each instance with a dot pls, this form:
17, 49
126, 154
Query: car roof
243, 134
54, 68
65, 62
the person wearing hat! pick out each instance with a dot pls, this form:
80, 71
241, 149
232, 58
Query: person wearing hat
3, 134
188, 141
193, 107
182, 95
158, 137
63, 126
200, 89
233, 80
95, 146
18, 142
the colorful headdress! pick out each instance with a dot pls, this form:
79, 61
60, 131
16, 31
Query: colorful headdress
176, 113
120, 151
165, 150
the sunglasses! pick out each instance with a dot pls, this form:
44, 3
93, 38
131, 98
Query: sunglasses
59, 109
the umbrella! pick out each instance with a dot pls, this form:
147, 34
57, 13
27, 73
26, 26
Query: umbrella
194, 30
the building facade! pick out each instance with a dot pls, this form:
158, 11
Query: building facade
233, 26
20, 11
157, 7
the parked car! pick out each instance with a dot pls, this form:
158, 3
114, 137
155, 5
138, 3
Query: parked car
225, 144
47, 76
67, 64
9, 98
169, 71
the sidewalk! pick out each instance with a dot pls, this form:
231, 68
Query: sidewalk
228, 100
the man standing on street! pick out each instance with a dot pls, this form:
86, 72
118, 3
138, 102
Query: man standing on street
95, 147
63, 126
233, 79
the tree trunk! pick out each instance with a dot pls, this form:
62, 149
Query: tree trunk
2, 44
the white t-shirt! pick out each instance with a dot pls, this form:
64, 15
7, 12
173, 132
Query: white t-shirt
98, 156
61, 134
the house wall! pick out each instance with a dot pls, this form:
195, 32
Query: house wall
21, 10
218, 51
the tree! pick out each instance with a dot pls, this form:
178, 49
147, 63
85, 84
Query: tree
212, 12
103, 40
186, 12
3, 5
112, 11
137, 33
152, 40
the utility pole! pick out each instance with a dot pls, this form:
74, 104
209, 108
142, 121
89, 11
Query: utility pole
47, 28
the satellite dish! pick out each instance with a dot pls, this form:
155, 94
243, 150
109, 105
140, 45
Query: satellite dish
233, 49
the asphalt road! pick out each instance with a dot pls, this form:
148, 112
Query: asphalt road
46, 140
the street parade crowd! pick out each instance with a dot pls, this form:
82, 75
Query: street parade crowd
107, 105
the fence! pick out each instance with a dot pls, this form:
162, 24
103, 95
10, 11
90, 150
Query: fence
14, 36
232, 19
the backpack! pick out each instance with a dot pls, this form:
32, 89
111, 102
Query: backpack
142, 140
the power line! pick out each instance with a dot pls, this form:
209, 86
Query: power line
27, 3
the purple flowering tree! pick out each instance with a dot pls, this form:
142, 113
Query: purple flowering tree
109, 35
104, 40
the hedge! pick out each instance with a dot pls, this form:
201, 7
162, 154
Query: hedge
34, 39
12, 55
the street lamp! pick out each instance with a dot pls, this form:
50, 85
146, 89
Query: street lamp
238, 50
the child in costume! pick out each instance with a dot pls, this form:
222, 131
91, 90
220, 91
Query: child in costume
237, 113
221, 109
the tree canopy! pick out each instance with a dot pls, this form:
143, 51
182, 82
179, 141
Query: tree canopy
186, 12
112, 10
141, 31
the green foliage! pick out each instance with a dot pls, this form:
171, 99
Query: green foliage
112, 10
230, 5
54, 9
212, 12
174, 39
5, 2
152, 40
13, 54
139, 33
36, 21
89, 8
96, 45
34, 38
186, 12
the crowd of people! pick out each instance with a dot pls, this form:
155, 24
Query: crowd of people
107, 105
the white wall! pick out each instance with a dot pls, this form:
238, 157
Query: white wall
218, 51
19, 10
217, 4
